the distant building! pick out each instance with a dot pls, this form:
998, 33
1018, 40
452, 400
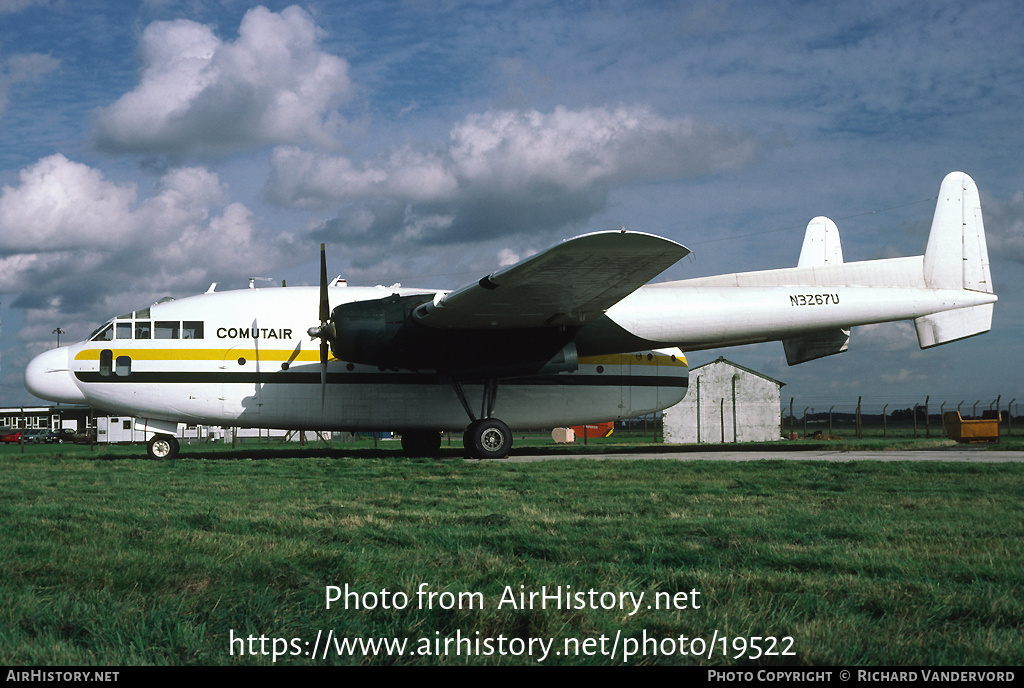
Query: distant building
108, 429
76, 418
726, 402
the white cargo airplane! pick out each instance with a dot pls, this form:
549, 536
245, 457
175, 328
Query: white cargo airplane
568, 336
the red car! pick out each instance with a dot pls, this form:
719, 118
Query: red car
9, 435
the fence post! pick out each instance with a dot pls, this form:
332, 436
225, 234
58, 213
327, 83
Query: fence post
998, 419
858, 418
885, 422
791, 416
927, 421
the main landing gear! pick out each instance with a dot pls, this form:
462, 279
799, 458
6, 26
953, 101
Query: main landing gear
488, 437
484, 438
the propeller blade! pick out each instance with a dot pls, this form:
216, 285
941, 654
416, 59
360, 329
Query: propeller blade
325, 306
325, 317
323, 374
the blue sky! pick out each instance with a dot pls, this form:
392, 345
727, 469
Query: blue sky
151, 148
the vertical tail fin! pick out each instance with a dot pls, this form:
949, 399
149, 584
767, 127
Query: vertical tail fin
821, 244
957, 255
956, 258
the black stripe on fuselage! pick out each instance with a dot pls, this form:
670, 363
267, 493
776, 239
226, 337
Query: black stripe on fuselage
384, 378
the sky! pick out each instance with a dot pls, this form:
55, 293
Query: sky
148, 149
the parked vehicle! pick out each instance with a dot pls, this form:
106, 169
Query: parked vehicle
42, 436
62, 435
35, 436
10, 435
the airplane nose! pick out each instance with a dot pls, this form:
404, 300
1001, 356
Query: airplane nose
47, 376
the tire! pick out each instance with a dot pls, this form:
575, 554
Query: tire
488, 439
421, 442
162, 447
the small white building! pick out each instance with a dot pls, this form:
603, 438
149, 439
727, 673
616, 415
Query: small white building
726, 402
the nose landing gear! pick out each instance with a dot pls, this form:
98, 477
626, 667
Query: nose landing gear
162, 447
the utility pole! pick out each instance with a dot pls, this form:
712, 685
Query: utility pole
58, 332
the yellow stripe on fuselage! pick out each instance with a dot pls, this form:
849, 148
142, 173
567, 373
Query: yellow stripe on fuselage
647, 359
201, 354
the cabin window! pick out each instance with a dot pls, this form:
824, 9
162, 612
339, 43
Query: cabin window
143, 329
192, 329
104, 334
124, 330
123, 367
106, 362
167, 329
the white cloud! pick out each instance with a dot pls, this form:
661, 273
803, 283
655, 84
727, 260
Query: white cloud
506, 172
85, 247
303, 179
200, 95
575, 149
507, 256
60, 204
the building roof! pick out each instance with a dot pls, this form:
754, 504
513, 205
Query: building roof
723, 359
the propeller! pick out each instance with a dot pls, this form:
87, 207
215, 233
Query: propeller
326, 330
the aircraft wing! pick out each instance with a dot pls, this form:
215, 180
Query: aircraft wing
570, 284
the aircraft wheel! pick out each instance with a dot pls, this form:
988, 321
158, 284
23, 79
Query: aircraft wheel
162, 447
421, 442
488, 439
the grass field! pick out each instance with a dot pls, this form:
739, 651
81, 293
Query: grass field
219, 559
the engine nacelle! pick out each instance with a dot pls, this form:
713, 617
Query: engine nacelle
383, 333
368, 332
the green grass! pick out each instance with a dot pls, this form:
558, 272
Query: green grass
844, 438
108, 558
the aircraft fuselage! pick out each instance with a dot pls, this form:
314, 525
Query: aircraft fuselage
248, 362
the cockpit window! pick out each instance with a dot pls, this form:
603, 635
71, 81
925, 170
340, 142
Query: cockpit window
147, 329
103, 334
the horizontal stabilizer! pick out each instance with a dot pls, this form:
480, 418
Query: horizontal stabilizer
816, 345
949, 326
